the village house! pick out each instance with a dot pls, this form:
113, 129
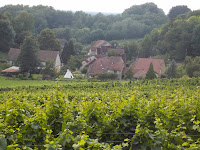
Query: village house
113, 64
99, 48
43, 55
88, 61
141, 66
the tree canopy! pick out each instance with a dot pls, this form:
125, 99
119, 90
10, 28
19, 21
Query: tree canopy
178, 10
27, 59
85, 28
48, 41
7, 35
178, 38
68, 51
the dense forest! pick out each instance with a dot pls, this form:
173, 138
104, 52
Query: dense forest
134, 22
178, 38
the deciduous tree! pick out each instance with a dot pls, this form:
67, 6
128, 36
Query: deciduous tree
48, 41
7, 35
23, 26
27, 58
171, 71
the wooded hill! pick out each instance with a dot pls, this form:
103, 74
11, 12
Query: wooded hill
176, 39
134, 22
172, 36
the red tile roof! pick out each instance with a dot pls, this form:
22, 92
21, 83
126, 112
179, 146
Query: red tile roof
44, 55
142, 66
104, 64
13, 54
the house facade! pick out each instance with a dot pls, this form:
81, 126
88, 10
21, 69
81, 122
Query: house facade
113, 64
43, 55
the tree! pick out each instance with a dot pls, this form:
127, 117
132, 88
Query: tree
48, 41
73, 63
49, 69
192, 66
195, 41
7, 35
68, 50
150, 73
27, 59
131, 50
171, 71
23, 26
178, 10
129, 74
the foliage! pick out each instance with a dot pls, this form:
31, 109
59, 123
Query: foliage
144, 114
192, 66
131, 50
106, 76
27, 59
74, 63
23, 26
7, 35
171, 70
84, 70
133, 22
48, 41
129, 74
68, 51
177, 38
4, 65
49, 69
112, 53
150, 73
178, 10
63, 33
180, 71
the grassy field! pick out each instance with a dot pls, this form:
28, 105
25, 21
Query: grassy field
11, 82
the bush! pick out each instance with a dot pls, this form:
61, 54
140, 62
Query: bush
106, 76
4, 65
129, 74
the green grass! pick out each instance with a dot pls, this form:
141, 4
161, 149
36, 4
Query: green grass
15, 82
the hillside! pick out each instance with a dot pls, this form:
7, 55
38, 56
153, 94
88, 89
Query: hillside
86, 27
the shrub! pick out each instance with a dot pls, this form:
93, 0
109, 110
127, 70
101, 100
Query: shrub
106, 76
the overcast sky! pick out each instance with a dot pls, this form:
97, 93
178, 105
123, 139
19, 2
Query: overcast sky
113, 6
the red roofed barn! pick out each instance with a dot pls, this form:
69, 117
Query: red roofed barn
142, 66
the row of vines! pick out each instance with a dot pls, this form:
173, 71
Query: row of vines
136, 115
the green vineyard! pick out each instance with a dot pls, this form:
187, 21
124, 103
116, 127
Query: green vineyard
161, 114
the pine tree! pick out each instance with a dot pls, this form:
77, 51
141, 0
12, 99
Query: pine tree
27, 58
129, 74
68, 51
150, 73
